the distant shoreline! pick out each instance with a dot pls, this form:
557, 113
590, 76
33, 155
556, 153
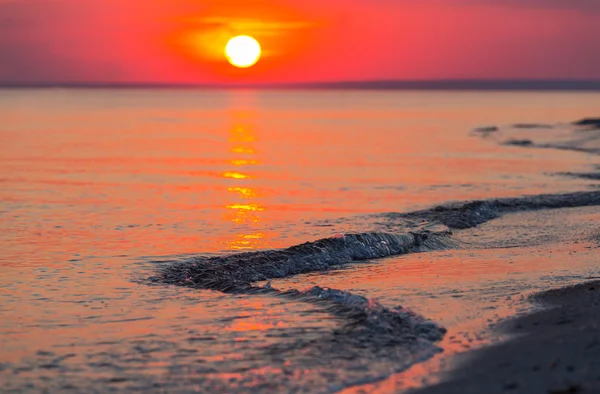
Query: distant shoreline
439, 85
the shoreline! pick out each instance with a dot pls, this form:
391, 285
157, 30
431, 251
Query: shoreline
373, 329
555, 350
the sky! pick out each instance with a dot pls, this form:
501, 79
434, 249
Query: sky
182, 41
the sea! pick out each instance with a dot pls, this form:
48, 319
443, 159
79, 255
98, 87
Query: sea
105, 191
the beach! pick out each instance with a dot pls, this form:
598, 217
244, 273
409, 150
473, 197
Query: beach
554, 350
298, 241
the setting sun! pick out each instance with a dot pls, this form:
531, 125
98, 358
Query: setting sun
243, 51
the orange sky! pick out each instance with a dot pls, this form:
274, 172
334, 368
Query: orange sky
303, 40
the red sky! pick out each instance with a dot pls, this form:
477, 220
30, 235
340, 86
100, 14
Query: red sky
303, 40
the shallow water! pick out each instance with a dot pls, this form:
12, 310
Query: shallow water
97, 184
470, 290
103, 173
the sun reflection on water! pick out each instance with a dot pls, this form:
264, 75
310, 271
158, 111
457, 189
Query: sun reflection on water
244, 207
235, 175
244, 192
241, 149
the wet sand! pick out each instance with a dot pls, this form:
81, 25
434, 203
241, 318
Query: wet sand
554, 351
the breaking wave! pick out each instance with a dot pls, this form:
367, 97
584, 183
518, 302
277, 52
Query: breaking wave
233, 273
237, 272
371, 332
473, 213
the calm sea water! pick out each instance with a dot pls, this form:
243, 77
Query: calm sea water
95, 184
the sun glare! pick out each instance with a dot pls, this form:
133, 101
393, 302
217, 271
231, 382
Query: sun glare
243, 51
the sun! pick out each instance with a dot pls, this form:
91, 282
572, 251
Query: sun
243, 51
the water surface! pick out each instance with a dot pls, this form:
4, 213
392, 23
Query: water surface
97, 184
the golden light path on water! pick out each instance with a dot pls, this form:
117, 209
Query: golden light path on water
244, 210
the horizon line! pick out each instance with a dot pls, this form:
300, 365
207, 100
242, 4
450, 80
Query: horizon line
425, 84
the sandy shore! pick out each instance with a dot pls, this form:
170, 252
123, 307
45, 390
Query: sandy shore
556, 350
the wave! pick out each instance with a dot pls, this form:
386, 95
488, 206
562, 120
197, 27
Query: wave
237, 273
580, 136
372, 314
473, 213
234, 273
592, 176
393, 338
389, 340
591, 122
